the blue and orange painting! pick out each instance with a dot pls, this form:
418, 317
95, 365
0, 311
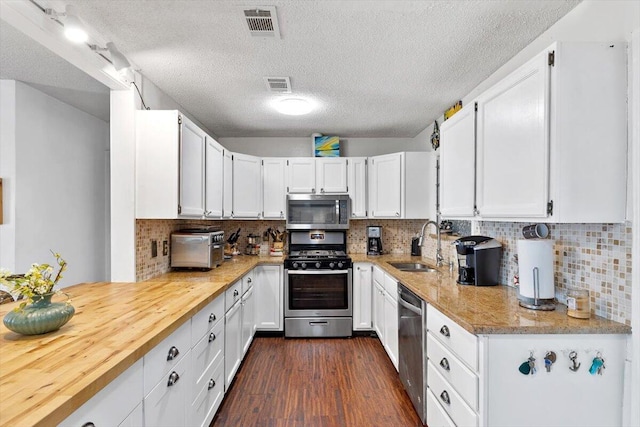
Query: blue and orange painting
327, 146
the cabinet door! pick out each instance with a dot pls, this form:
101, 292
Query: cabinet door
232, 342
214, 178
378, 310
165, 405
246, 186
385, 189
391, 328
192, 143
357, 185
274, 188
301, 175
134, 419
513, 144
362, 296
227, 184
457, 164
269, 289
331, 175
248, 319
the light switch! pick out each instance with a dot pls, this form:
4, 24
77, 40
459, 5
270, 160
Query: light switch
154, 248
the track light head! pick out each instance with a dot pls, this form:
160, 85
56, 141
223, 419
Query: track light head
117, 58
74, 30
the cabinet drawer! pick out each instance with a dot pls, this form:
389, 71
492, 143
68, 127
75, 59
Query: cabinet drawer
247, 282
449, 399
453, 370
378, 275
163, 357
111, 405
232, 295
462, 343
391, 286
206, 318
209, 396
165, 405
207, 352
436, 415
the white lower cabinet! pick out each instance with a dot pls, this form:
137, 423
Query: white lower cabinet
268, 290
248, 319
208, 400
436, 415
135, 418
391, 326
385, 312
232, 342
362, 296
165, 405
378, 309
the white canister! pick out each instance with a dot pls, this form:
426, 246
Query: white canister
535, 269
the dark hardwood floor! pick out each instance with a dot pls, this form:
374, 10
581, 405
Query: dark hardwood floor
316, 382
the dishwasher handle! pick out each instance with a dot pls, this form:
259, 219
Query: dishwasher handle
409, 306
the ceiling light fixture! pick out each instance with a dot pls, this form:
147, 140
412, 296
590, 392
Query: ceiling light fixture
74, 29
118, 60
293, 106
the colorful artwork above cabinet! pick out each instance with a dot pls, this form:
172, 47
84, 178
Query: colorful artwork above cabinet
327, 146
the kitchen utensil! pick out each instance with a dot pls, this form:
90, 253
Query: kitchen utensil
535, 231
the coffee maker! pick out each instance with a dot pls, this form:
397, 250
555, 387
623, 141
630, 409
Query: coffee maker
374, 240
478, 260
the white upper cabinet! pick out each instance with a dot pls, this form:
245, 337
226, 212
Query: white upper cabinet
457, 164
402, 185
301, 173
214, 178
247, 186
227, 184
274, 187
170, 159
331, 175
357, 184
551, 138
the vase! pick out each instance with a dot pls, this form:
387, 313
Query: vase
40, 317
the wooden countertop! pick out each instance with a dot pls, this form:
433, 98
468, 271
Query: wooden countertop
44, 378
488, 309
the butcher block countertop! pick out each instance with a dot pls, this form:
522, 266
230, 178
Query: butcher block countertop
488, 309
44, 378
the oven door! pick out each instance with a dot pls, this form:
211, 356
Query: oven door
318, 293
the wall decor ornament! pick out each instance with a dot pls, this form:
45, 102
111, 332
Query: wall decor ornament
435, 136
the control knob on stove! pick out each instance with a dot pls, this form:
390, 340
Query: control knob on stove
295, 265
340, 264
303, 265
332, 265
318, 265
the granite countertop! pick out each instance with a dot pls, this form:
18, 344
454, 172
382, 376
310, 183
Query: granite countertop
488, 309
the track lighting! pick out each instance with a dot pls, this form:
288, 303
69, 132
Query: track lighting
118, 60
74, 29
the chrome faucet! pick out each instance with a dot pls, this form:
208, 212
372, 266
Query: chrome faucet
439, 257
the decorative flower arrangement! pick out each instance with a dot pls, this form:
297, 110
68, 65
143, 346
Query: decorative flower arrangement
38, 281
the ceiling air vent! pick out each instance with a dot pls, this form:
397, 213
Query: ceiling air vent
278, 84
263, 21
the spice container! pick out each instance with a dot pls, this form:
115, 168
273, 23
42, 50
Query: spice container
578, 304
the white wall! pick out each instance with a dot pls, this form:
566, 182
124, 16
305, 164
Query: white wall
58, 185
302, 147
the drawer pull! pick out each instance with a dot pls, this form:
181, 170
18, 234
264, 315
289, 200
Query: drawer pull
445, 331
445, 364
445, 397
173, 378
211, 385
212, 318
212, 337
88, 424
249, 280
235, 293
173, 353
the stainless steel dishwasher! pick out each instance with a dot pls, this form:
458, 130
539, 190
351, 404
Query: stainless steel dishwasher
410, 347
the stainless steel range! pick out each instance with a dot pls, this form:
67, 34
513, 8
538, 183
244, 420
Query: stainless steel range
318, 285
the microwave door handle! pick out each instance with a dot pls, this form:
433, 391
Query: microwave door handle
194, 239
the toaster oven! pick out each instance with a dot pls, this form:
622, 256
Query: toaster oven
197, 248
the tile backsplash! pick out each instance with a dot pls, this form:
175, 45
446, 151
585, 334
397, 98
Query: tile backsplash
588, 256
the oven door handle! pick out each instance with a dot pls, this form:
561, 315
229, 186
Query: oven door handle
316, 272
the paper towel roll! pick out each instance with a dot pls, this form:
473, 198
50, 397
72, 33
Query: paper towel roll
532, 254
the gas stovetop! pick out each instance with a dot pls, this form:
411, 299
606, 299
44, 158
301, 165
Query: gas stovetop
317, 254
317, 259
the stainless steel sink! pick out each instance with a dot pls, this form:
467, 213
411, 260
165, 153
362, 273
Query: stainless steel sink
415, 267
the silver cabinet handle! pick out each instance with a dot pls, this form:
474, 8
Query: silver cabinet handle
173, 353
212, 318
235, 293
173, 378
88, 424
445, 331
445, 397
211, 385
249, 280
322, 190
212, 337
313, 190
281, 214
397, 213
445, 364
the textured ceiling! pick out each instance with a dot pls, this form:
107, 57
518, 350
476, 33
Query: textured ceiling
22, 58
375, 68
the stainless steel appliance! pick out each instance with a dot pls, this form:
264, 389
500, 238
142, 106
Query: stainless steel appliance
374, 240
411, 357
322, 212
318, 285
478, 260
197, 248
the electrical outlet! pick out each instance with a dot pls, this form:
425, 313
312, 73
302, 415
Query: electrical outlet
165, 248
154, 248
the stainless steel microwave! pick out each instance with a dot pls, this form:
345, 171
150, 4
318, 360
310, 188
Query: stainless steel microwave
308, 211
